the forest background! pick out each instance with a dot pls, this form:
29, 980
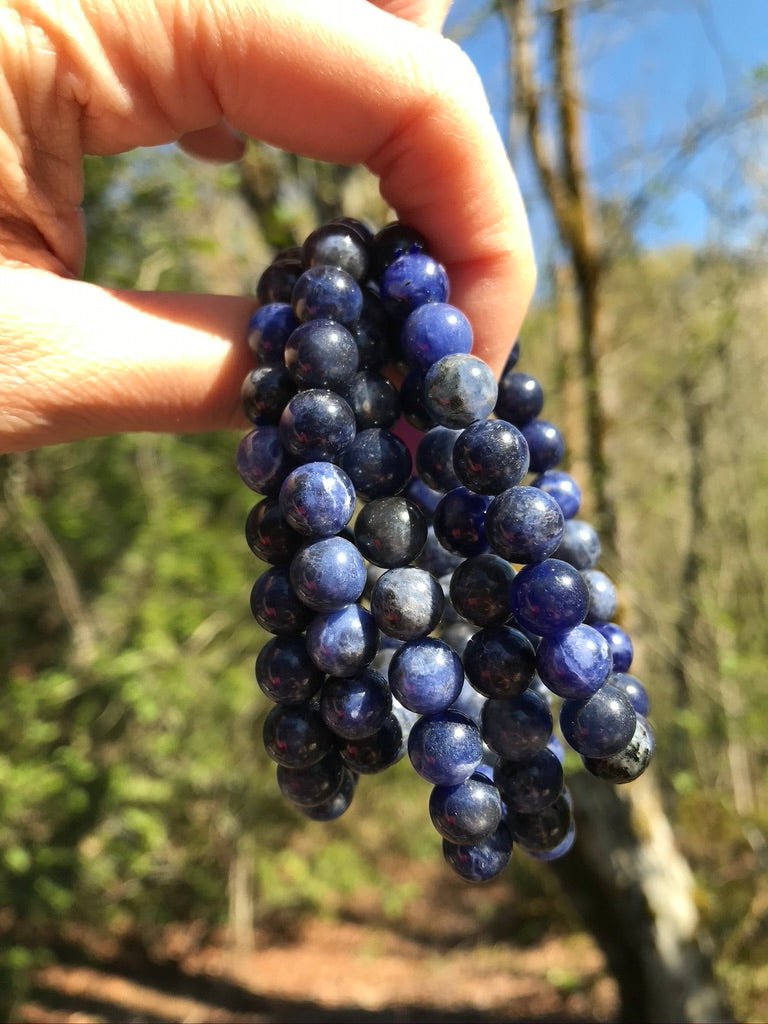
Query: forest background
133, 790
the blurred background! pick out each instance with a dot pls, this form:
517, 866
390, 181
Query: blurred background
148, 868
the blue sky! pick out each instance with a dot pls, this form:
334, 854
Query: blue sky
648, 70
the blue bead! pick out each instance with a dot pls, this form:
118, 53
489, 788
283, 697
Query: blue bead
620, 644
335, 806
520, 400
548, 597
432, 331
328, 574
459, 522
600, 726
574, 664
517, 728
524, 524
407, 603
545, 445
378, 463
602, 596
411, 281
390, 532
499, 661
262, 462
490, 456
296, 735
265, 392
413, 402
372, 754
580, 545
529, 786
268, 535
317, 425
563, 488
390, 243
483, 860
445, 748
542, 831
337, 245
327, 293
317, 499
426, 675
356, 706
480, 589
459, 390
424, 497
276, 606
343, 643
277, 281
285, 672
268, 330
630, 762
466, 812
315, 785
321, 354
434, 459
558, 851
373, 400
633, 689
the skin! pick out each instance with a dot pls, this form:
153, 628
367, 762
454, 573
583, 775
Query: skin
345, 81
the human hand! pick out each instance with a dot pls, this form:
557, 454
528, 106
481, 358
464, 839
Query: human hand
345, 81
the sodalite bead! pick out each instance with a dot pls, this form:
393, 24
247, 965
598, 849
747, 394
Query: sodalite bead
337, 245
426, 675
275, 604
328, 574
633, 689
517, 728
308, 787
529, 786
434, 459
548, 597
317, 499
543, 831
432, 331
316, 425
268, 535
630, 762
489, 456
335, 806
574, 664
356, 706
524, 524
344, 642
390, 531
466, 812
499, 661
600, 726
327, 293
372, 754
321, 354
545, 444
373, 400
407, 603
296, 735
262, 462
285, 672
265, 392
480, 589
410, 281
580, 545
445, 748
378, 463
620, 644
521, 398
602, 596
482, 860
459, 522
268, 330
563, 488
459, 390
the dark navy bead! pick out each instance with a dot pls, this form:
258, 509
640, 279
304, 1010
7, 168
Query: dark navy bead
277, 281
483, 860
315, 785
517, 728
335, 806
602, 596
337, 245
372, 754
445, 748
467, 812
459, 522
530, 786
434, 557
426, 675
574, 664
627, 764
580, 545
563, 488
373, 333
434, 459
268, 535
600, 726
410, 281
407, 603
321, 354
317, 425
620, 644
542, 831
390, 531
373, 400
634, 690
459, 390
285, 672
378, 463
524, 524
413, 402
327, 293
480, 589
262, 462
390, 243
317, 499
275, 605
432, 331
328, 574
296, 735
520, 400
545, 445
490, 456
268, 330
499, 661
343, 643
356, 706
265, 392
549, 597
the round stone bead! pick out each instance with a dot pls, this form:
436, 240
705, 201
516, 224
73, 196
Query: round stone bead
315, 785
602, 596
434, 330
277, 281
529, 786
390, 243
574, 664
633, 689
335, 806
490, 456
373, 333
545, 445
373, 400
328, 574
542, 831
445, 748
517, 728
372, 754
480, 589
407, 603
466, 812
620, 644
557, 851
434, 459
356, 706
344, 642
285, 672
275, 605
600, 726
459, 522
265, 392
390, 531
459, 390
378, 463
321, 354
548, 597
268, 535
426, 675
580, 545
317, 499
499, 661
413, 403
524, 524
521, 398
268, 330
327, 293
410, 281
317, 425
563, 488
628, 763
337, 245
296, 735
262, 462
483, 860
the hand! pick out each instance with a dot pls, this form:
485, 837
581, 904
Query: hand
344, 81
